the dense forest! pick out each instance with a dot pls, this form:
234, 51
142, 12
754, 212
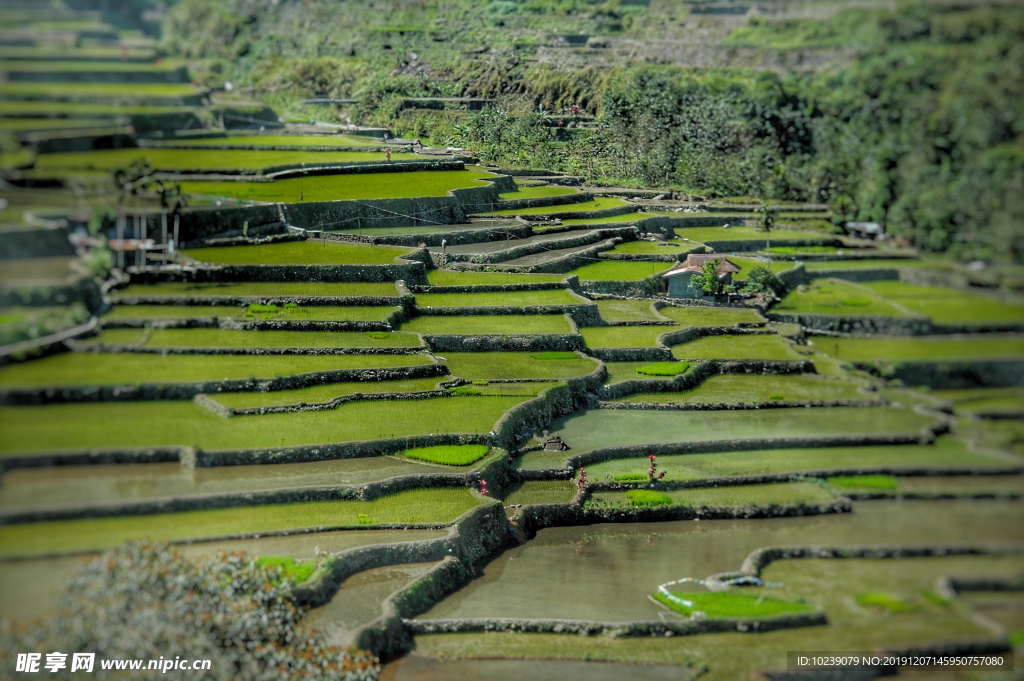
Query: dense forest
913, 119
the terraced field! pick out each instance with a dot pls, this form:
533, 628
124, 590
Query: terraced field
458, 442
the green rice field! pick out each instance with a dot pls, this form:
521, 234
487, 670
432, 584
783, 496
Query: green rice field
74, 368
253, 312
213, 159
86, 426
413, 506
344, 187
599, 203
749, 388
231, 338
745, 346
307, 252
506, 365
926, 348
620, 270
558, 296
488, 324
258, 289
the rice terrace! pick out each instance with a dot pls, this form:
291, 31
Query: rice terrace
520, 340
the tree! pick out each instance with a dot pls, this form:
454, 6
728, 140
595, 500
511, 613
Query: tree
143, 601
763, 280
707, 279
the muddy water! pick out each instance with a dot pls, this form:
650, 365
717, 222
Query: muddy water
605, 572
359, 600
33, 588
83, 485
419, 668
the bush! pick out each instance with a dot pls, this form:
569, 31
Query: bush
149, 601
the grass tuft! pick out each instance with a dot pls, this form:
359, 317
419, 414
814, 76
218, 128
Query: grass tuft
664, 368
449, 455
647, 498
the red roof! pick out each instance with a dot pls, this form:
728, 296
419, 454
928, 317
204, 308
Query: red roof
694, 263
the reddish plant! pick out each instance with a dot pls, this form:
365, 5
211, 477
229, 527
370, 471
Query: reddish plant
652, 472
483, 488
582, 482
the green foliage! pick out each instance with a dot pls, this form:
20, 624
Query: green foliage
290, 569
707, 279
762, 280
647, 498
506, 136
133, 601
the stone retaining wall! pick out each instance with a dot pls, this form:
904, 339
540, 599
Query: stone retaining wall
951, 374
36, 242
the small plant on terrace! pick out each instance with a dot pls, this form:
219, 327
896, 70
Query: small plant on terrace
581, 484
483, 488
653, 475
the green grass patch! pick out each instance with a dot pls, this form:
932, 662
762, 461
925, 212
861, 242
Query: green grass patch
558, 296
440, 325
554, 354
202, 159
945, 452
886, 601
502, 365
537, 191
620, 270
483, 387
623, 217
297, 571
947, 305
307, 252
730, 604
74, 368
745, 346
871, 264
440, 505
633, 310
805, 250
604, 428
541, 492
924, 348
877, 482
231, 338
254, 312
87, 425
756, 388
260, 289
347, 186
289, 141
43, 124
113, 91
80, 109
731, 496
455, 278
711, 316
644, 247
838, 297
449, 455
319, 394
53, 65
599, 203
739, 233
624, 336
648, 498
664, 368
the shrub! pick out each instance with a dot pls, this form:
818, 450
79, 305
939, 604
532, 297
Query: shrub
149, 601
296, 571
